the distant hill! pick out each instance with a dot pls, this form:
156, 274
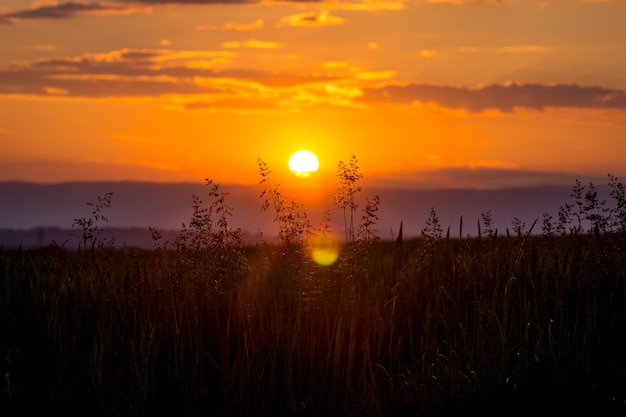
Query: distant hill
131, 237
35, 213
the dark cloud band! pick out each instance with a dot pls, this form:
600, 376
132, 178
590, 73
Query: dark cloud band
500, 97
71, 9
60, 11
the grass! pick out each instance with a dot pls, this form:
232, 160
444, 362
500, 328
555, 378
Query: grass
206, 326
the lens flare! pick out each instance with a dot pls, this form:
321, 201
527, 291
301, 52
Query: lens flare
324, 248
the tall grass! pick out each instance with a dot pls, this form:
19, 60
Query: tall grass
207, 326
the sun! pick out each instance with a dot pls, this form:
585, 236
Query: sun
303, 163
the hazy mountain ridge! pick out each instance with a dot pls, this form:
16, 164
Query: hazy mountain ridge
29, 209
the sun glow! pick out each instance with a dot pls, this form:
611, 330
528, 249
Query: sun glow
303, 163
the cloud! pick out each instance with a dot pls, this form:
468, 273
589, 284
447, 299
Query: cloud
335, 4
504, 98
375, 75
364, 5
230, 26
126, 72
192, 2
159, 75
172, 79
461, 2
525, 49
445, 1
475, 176
253, 44
509, 49
311, 19
72, 9
67, 10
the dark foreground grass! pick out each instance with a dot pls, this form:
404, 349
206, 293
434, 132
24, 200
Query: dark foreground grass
205, 326
433, 326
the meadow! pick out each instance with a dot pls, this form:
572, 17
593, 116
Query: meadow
503, 323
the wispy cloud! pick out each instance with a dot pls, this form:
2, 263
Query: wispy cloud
231, 26
600, 1
445, 1
461, 2
144, 163
252, 43
510, 49
311, 19
68, 10
525, 49
73, 9
504, 98
364, 5
493, 175
175, 79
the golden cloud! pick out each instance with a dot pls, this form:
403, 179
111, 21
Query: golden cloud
252, 44
364, 5
54, 91
375, 75
311, 19
230, 26
460, 2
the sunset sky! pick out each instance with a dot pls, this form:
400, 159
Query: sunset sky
426, 93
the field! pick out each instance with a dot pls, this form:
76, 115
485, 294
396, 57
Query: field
499, 324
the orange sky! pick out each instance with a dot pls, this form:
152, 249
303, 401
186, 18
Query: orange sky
425, 93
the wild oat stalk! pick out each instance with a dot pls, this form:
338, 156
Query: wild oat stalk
348, 176
618, 213
291, 216
91, 230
